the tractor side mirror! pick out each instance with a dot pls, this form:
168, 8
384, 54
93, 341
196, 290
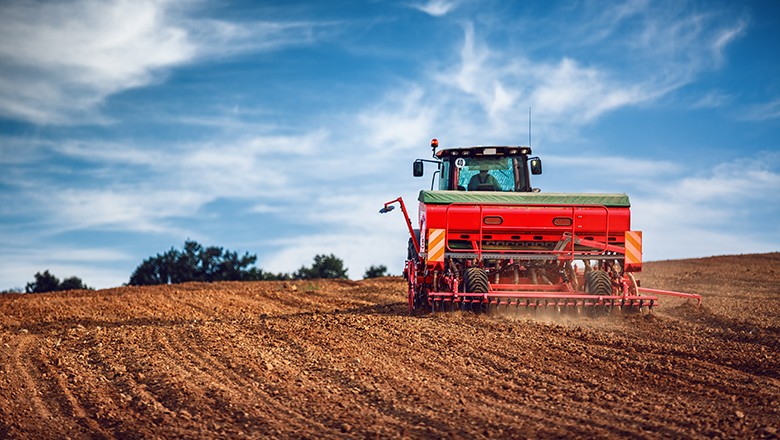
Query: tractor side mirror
417, 168
536, 166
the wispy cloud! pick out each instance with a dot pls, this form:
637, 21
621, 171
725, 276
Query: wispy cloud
714, 211
59, 61
64, 58
725, 36
136, 209
436, 8
671, 30
713, 99
739, 181
484, 90
401, 119
177, 181
615, 166
362, 236
92, 264
648, 50
581, 94
763, 112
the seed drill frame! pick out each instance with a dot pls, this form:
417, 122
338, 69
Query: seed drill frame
516, 248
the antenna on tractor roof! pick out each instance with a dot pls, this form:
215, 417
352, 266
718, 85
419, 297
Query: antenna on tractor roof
529, 126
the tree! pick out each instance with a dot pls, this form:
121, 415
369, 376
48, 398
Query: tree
46, 282
325, 266
375, 271
195, 263
155, 270
73, 283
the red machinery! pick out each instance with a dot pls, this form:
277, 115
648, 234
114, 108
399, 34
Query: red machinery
487, 240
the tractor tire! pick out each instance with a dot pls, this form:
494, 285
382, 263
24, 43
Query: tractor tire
411, 252
598, 282
421, 297
475, 280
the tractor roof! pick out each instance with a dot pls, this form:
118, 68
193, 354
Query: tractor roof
484, 150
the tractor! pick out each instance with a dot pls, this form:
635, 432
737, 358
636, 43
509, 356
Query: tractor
488, 241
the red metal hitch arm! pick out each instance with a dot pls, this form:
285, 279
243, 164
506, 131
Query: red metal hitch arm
670, 293
389, 207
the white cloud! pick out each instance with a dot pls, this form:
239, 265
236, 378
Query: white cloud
17, 151
713, 99
142, 208
734, 182
724, 37
88, 263
125, 187
672, 30
481, 76
264, 208
581, 94
616, 166
60, 60
652, 48
352, 228
486, 85
401, 119
357, 252
646, 51
714, 212
436, 8
674, 241
216, 38
109, 152
763, 112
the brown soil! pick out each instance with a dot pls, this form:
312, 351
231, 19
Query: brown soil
344, 359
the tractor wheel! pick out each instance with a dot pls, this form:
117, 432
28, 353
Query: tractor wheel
598, 282
421, 297
411, 252
475, 280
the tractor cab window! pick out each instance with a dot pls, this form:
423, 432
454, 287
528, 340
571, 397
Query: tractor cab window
444, 175
486, 174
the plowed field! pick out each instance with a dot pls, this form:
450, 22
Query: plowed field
344, 359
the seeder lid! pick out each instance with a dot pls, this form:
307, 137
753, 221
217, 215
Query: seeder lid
523, 198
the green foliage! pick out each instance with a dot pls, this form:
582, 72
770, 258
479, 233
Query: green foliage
196, 263
256, 274
325, 266
375, 271
46, 282
73, 283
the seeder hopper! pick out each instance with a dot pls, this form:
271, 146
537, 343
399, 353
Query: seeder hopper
488, 241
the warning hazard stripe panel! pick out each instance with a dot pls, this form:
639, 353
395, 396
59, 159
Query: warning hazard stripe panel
633, 248
436, 245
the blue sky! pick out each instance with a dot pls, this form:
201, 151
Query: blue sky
280, 128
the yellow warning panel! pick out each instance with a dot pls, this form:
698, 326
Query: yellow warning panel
633, 261
436, 245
